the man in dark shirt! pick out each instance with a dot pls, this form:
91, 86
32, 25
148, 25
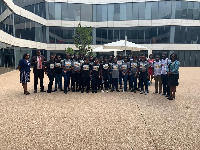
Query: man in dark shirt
105, 73
58, 73
86, 67
50, 71
95, 72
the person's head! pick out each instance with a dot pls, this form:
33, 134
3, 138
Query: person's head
86, 60
76, 57
134, 58
91, 58
142, 57
96, 60
38, 53
110, 58
125, 59
157, 58
164, 55
105, 59
58, 57
115, 60
26, 56
120, 57
52, 57
173, 56
151, 56
67, 56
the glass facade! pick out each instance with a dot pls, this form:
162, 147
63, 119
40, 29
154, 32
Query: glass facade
113, 12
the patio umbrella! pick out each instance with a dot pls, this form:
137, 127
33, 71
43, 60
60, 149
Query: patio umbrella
101, 49
124, 45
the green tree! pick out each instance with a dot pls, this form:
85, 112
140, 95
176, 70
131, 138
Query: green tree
83, 39
69, 50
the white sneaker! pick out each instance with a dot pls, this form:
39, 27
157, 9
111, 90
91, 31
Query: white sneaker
106, 91
102, 91
145, 93
141, 92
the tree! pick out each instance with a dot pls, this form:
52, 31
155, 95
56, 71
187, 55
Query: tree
83, 39
69, 50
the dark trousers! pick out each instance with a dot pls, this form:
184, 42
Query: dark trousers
51, 79
86, 82
81, 81
58, 80
143, 81
166, 88
75, 79
38, 73
115, 83
125, 78
110, 80
66, 79
132, 80
120, 78
95, 81
106, 82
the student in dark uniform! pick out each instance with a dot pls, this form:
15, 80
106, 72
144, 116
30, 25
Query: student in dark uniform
143, 69
133, 76
100, 81
50, 71
24, 68
115, 75
76, 68
125, 70
58, 73
86, 67
95, 72
38, 62
81, 74
110, 61
66, 72
119, 62
105, 73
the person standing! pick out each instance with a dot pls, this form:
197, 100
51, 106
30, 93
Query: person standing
133, 72
156, 68
58, 73
120, 62
173, 74
143, 69
105, 73
165, 62
67, 64
95, 73
50, 71
125, 70
38, 70
115, 75
76, 68
86, 67
24, 68
151, 60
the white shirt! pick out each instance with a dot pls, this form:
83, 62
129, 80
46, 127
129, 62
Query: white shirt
157, 68
164, 64
38, 64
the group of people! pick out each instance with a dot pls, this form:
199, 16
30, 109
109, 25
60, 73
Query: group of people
102, 73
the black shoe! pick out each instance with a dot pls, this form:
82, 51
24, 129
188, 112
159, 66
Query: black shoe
26, 93
117, 90
48, 91
112, 90
73, 90
87, 91
82, 91
65, 91
42, 91
95, 91
35, 91
134, 91
77, 90
167, 96
55, 90
92, 91
61, 90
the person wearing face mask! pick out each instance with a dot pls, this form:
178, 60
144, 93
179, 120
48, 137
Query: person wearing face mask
173, 75
143, 70
156, 68
165, 62
24, 68
38, 62
50, 71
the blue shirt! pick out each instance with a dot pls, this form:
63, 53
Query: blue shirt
174, 67
25, 65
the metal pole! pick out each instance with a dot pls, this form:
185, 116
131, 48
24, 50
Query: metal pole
125, 44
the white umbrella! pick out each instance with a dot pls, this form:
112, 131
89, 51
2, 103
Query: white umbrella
101, 49
124, 45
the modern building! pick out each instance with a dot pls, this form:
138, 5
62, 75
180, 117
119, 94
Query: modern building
49, 25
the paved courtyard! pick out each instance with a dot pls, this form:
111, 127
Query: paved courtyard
99, 121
